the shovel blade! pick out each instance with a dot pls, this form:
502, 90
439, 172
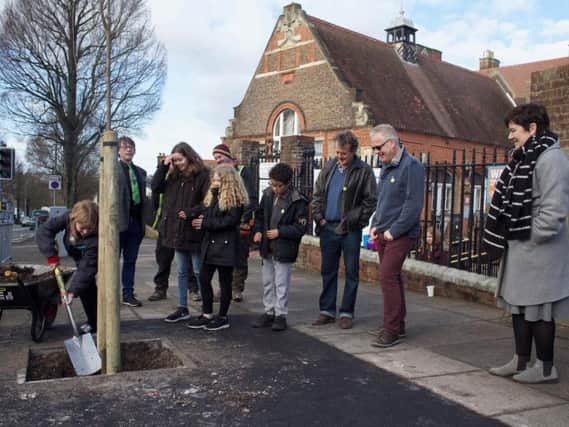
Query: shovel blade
83, 354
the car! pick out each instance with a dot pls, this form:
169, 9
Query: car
26, 221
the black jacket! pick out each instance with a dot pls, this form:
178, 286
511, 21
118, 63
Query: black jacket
84, 251
220, 243
247, 177
358, 198
292, 226
183, 193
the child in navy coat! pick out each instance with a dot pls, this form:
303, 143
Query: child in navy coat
279, 226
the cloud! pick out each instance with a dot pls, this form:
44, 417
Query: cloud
215, 46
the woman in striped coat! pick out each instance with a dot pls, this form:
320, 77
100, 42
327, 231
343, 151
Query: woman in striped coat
527, 225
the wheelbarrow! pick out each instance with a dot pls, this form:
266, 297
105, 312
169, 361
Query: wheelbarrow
34, 288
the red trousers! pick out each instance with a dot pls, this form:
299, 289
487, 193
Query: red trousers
391, 257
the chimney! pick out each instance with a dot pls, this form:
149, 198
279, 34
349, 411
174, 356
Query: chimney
488, 60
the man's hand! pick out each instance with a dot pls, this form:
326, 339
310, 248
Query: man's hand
244, 226
272, 234
322, 222
182, 215
373, 233
257, 237
387, 236
70, 297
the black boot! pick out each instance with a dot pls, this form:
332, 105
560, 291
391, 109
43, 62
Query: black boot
157, 295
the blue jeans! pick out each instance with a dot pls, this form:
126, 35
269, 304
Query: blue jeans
129, 241
332, 245
183, 259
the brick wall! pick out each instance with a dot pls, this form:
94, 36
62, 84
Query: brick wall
244, 150
551, 88
324, 102
448, 282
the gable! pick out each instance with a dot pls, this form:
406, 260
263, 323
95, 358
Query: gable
294, 69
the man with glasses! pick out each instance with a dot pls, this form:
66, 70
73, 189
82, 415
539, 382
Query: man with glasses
344, 199
395, 225
132, 202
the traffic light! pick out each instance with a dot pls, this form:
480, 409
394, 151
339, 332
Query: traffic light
7, 160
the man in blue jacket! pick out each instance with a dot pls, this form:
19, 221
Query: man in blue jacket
395, 225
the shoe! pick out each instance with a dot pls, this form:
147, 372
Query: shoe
237, 296
157, 295
346, 323
534, 375
131, 301
386, 339
507, 370
377, 332
198, 322
181, 313
85, 328
195, 296
217, 323
263, 321
323, 320
280, 323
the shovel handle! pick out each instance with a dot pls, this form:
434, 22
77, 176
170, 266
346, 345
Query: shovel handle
63, 295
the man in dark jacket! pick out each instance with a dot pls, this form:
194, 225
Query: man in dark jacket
343, 201
279, 226
132, 205
395, 225
222, 154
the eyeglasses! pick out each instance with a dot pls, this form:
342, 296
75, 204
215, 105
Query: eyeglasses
379, 147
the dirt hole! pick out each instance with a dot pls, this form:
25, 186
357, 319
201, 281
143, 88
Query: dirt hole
44, 364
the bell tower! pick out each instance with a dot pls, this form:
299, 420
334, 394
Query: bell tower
401, 34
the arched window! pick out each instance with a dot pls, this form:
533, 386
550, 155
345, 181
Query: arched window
286, 124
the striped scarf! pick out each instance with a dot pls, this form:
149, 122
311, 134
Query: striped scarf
509, 215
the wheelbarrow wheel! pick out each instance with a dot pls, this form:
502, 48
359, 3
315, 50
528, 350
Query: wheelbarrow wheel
50, 313
39, 322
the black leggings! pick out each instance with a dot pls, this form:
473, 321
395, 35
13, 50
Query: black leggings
89, 300
225, 278
541, 331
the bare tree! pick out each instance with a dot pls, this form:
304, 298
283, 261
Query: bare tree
52, 75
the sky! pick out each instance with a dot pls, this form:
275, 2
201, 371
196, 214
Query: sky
214, 47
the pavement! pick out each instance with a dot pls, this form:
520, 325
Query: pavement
306, 375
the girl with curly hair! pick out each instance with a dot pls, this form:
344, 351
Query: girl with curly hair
223, 207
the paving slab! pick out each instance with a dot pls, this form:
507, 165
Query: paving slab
415, 363
556, 416
487, 394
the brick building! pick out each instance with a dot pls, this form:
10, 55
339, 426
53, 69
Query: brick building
316, 79
545, 82
551, 88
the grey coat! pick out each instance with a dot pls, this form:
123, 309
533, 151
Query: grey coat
124, 196
536, 271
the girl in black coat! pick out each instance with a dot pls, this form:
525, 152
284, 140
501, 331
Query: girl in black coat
81, 242
183, 179
223, 207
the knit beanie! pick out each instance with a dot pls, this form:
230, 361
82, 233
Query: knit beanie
223, 150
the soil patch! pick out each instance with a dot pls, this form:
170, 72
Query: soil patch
47, 364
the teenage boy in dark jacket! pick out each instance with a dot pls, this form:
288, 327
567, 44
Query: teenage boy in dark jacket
280, 223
